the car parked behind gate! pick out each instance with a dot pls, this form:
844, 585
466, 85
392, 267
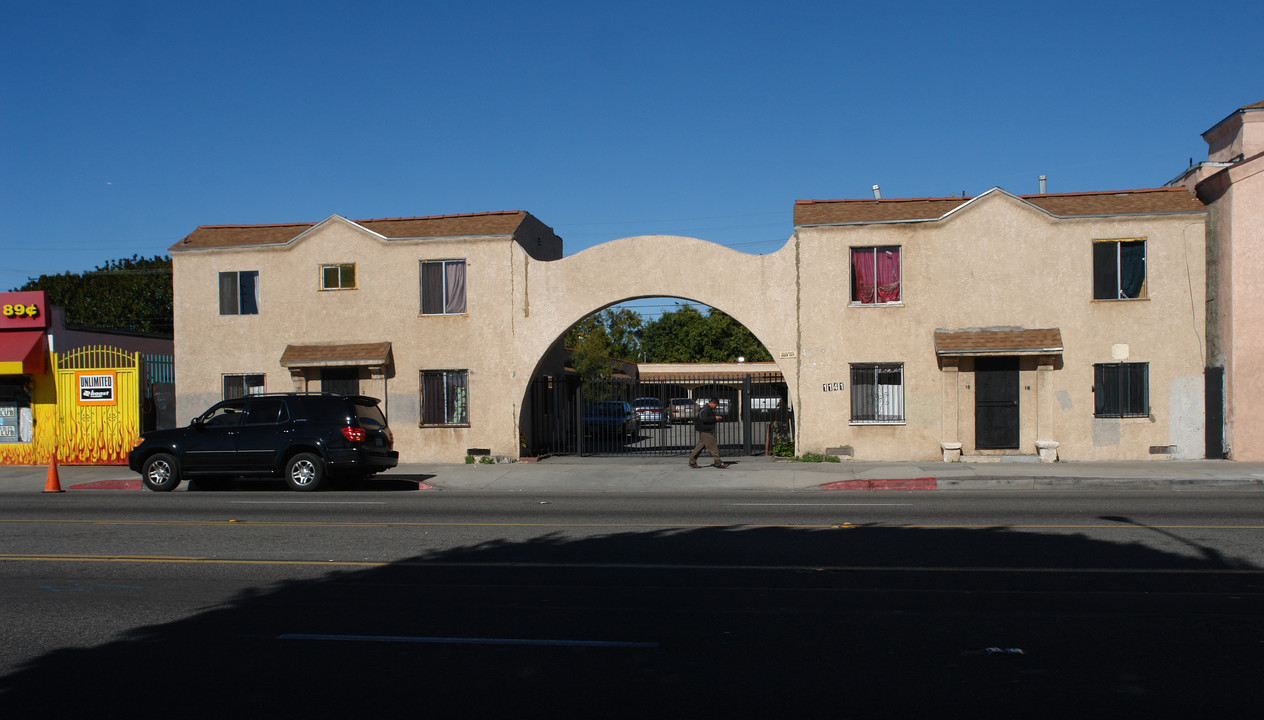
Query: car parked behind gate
611, 420
650, 411
683, 410
303, 437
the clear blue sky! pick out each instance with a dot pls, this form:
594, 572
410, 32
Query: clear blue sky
124, 125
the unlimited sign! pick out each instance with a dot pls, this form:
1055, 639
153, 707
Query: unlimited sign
96, 388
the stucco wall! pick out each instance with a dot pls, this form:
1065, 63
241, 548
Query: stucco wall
997, 261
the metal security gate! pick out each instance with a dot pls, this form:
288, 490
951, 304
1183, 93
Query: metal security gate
98, 404
653, 416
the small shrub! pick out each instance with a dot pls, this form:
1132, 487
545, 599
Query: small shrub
469, 459
487, 460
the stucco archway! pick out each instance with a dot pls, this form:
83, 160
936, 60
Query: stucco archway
759, 291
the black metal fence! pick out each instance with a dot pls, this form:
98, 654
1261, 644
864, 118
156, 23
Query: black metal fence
654, 416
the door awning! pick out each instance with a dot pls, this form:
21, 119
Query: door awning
975, 342
353, 355
22, 352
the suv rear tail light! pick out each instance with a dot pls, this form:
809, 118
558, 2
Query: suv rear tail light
354, 434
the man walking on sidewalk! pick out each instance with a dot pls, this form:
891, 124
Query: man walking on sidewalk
708, 416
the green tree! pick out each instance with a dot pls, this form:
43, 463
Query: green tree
688, 335
128, 294
601, 336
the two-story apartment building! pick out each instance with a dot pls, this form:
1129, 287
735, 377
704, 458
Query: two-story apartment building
1066, 325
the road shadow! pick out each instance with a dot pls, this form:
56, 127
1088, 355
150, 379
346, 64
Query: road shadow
734, 621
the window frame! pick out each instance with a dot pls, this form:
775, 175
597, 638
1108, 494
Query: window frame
874, 400
456, 410
1143, 290
234, 302
246, 386
445, 301
1124, 395
854, 295
340, 269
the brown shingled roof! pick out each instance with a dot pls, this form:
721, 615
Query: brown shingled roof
371, 354
488, 223
998, 342
1126, 202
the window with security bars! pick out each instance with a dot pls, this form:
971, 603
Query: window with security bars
1121, 390
338, 277
236, 386
877, 393
443, 287
445, 396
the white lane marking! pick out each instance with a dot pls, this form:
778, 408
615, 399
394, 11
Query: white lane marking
820, 504
470, 640
308, 502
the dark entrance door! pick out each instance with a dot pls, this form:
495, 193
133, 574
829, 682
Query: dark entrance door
996, 403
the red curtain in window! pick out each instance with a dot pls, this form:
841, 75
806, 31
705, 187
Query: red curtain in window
862, 275
888, 275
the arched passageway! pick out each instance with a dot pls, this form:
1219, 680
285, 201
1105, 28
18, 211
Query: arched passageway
561, 413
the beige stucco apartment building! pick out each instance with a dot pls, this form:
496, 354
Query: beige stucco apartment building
1062, 326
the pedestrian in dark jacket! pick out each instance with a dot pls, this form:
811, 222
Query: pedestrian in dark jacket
708, 416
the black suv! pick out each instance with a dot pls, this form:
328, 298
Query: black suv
303, 437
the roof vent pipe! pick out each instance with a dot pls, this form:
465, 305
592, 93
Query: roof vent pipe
877, 193
1043, 185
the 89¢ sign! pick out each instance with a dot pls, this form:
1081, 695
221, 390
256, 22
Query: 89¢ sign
20, 311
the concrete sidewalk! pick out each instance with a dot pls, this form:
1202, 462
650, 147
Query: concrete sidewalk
658, 474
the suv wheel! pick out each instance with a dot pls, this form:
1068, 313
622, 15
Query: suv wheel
304, 472
161, 473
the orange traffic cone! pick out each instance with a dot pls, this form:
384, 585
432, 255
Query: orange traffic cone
53, 483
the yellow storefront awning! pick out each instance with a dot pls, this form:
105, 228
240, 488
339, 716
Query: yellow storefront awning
22, 352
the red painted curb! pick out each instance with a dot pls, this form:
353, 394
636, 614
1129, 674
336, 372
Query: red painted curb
926, 483
108, 485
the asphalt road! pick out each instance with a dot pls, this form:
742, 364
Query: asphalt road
264, 603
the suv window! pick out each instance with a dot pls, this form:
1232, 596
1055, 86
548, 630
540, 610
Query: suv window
266, 410
370, 416
229, 413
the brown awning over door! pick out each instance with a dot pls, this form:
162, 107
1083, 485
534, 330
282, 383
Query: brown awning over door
352, 355
973, 343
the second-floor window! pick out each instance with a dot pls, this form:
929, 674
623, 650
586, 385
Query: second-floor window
443, 287
875, 276
1119, 269
239, 292
338, 277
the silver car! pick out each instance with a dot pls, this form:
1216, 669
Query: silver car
650, 411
